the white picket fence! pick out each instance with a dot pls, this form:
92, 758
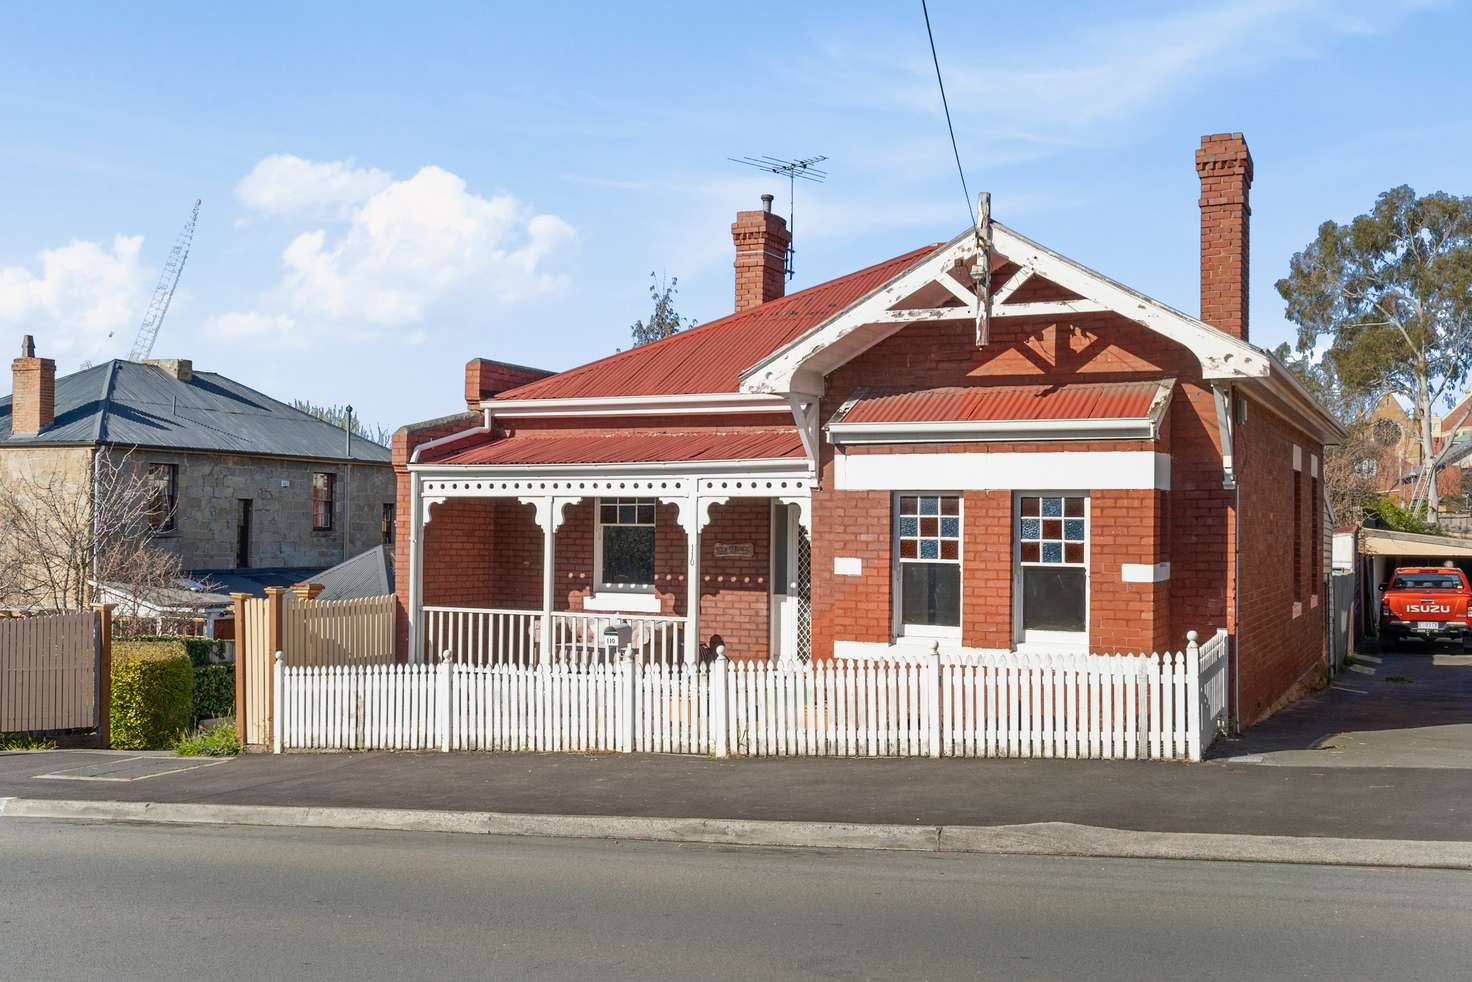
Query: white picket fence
1159, 707
488, 636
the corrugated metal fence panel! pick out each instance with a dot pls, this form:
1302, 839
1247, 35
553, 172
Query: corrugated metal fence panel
48, 673
360, 631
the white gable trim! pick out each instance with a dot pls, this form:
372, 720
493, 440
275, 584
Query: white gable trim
801, 365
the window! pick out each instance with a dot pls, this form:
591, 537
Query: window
1366, 466
387, 525
163, 496
1297, 536
1053, 565
928, 535
323, 487
1424, 580
626, 544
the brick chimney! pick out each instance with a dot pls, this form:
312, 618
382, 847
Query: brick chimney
33, 398
485, 378
179, 368
1225, 168
761, 241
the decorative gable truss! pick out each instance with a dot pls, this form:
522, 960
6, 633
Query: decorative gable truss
1028, 280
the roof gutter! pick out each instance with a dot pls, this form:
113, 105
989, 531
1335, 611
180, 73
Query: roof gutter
480, 430
682, 404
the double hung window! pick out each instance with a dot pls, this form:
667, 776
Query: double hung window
626, 544
1052, 540
928, 564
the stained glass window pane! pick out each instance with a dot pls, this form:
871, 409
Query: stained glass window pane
1031, 528
950, 527
929, 526
909, 525
909, 505
646, 513
908, 549
1052, 507
929, 549
1030, 506
1073, 552
950, 505
1073, 530
1052, 528
1029, 552
1073, 507
949, 549
929, 506
608, 514
1052, 552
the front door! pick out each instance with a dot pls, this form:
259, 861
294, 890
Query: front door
785, 586
242, 535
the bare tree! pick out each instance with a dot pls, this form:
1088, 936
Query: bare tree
66, 534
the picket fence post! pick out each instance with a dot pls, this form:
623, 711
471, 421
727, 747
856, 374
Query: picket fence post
932, 697
1193, 697
278, 709
628, 677
442, 701
718, 707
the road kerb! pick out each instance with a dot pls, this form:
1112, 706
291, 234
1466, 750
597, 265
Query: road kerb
1037, 839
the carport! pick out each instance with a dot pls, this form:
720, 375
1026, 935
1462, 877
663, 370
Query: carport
1382, 550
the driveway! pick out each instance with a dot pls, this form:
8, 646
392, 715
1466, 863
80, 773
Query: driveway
1411, 707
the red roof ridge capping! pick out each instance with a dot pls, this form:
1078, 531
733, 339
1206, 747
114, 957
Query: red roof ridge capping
711, 356
632, 446
975, 403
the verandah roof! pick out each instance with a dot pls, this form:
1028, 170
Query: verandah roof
618, 446
976, 403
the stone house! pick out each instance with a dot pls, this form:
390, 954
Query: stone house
887, 462
242, 480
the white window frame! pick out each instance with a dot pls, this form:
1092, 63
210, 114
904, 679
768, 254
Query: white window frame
900, 630
1025, 640
618, 596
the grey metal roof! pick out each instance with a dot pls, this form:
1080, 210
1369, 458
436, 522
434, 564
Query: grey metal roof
369, 574
131, 404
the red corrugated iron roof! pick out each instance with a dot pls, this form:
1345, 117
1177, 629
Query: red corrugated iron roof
631, 446
711, 357
970, 403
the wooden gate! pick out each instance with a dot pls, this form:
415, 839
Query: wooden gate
50, 672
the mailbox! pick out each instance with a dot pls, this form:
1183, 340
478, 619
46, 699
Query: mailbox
616, 637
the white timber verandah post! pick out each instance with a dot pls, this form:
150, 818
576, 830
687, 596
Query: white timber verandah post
1193, 697
549, 518
418, 513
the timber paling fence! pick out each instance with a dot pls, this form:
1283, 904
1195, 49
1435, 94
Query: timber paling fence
49, 672
1159, 707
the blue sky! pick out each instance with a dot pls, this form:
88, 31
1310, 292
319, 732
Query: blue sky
390, 190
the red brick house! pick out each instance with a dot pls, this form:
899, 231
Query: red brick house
846, 472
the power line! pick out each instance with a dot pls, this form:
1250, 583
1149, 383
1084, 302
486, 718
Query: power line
935, 59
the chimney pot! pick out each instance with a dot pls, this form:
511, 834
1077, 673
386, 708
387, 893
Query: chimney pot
761, 240
28, 347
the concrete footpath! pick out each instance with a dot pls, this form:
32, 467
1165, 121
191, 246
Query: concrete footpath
1219, 810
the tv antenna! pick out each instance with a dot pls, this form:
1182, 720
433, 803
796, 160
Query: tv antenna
805, 169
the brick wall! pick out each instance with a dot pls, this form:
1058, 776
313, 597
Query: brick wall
1281, 655
1189, 526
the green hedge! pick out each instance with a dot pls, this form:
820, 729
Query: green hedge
214, 692
152, 693
199, 649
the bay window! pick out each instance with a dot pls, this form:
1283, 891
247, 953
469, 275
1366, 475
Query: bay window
928, 564
1052, 560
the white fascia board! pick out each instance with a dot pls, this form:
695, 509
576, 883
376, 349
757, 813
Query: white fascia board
658, 405
1063, 470
790, 467
992, 431
1285, 394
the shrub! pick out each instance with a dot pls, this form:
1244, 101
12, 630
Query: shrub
24, 741
214, 692
217, 741
199, 649
152, 693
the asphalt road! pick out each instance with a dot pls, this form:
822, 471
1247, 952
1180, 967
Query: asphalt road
85, 901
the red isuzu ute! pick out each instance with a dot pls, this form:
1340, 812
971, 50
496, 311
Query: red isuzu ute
1426, 602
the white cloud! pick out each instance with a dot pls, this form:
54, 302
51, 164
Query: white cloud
417, 244
83, 292
288, 186
276, 330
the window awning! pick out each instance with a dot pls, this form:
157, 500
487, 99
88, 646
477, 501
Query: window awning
1084, 410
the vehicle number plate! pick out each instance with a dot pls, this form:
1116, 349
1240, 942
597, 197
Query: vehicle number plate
1428, 625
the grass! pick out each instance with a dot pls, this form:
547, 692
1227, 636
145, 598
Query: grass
217, 741
22, 741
